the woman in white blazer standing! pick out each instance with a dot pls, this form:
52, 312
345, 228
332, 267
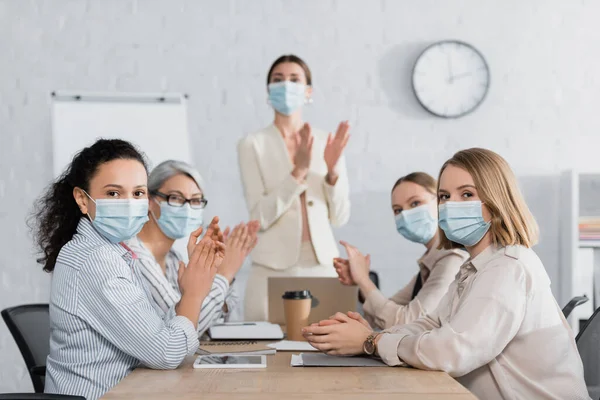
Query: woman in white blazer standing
296, 186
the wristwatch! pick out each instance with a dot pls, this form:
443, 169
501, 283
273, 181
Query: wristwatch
369, 347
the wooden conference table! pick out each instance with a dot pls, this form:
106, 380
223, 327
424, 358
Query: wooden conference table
281, 381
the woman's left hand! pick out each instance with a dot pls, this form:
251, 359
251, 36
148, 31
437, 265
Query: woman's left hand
253, 228
213, 231
238, 244
340, 336
334, 149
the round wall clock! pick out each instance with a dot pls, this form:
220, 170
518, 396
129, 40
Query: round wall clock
450, 78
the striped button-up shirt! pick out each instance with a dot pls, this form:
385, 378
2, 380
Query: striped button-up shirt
103, 322
437, 269
165, 290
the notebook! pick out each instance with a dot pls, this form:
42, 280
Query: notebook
323, 360
249, 347
245, 331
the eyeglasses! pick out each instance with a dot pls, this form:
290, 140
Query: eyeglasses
179, 201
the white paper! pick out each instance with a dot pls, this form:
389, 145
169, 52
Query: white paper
296, 360
246, 331
291, 345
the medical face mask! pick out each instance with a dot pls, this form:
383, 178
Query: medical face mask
417, 224
286, 97
462, 222
178, 222
119, 220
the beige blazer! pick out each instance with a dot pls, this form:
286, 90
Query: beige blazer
273, 198
438, 269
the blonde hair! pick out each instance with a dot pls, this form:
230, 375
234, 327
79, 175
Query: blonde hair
422, 179
512, 223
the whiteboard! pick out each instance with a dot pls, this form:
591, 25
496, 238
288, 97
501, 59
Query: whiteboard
155, 123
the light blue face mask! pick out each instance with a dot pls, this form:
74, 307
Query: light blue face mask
119, 220
417, 224
462, 222
286, 97
178, 222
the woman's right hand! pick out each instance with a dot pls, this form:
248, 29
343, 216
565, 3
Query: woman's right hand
342, 267
303, 152
195, 280
359, 264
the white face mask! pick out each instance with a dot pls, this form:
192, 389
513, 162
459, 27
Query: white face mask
462, 222
178, 222
286, 97
119, 220
417, 224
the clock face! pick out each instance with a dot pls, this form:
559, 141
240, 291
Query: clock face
450, 79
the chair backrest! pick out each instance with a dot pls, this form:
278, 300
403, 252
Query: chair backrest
375, 279
588, 344
30, 327
38, 396
575, 301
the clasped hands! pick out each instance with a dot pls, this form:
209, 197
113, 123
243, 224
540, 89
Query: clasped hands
340, 335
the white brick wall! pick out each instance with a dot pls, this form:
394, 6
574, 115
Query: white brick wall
541, 112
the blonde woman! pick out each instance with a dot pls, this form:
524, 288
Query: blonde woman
415, 209
295, 185
498, 330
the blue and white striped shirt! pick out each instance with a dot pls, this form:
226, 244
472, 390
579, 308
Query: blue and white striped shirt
103, 322
165, 289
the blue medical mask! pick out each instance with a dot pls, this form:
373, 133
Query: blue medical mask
417, 224
286, 97
119, 220
178, 222
462, 222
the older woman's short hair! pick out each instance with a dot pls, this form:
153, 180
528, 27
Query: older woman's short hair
170, 168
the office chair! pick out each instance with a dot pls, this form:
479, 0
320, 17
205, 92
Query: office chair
575, 301
588, 344
375, 279
29, 325
38, 396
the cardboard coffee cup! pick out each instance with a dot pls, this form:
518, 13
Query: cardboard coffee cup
296, 306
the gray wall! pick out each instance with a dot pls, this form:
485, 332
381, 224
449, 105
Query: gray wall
541, 112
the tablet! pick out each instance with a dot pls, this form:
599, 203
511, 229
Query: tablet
231, 361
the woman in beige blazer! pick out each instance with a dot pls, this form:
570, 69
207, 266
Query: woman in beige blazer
414, 203
296, 186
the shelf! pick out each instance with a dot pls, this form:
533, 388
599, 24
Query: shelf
589, 243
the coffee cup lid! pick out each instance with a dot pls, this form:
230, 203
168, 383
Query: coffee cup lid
297, 295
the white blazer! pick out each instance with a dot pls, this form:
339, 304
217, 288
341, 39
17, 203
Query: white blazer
273, 198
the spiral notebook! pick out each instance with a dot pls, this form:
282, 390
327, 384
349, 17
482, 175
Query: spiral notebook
248, 347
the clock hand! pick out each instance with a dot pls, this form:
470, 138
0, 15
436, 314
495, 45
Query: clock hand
463, 75
450, 74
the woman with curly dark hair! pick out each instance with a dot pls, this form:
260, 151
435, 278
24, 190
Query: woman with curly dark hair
102, 320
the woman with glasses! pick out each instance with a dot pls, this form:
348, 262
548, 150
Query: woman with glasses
176, 210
